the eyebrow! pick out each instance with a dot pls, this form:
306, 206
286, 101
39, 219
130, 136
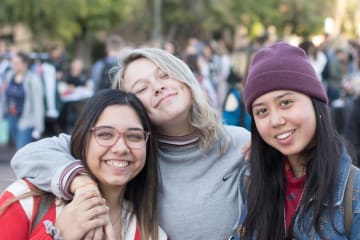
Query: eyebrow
276, 98
156, 72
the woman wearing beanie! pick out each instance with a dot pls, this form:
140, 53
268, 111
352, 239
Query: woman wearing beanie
298, 187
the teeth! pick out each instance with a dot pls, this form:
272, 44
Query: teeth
284, 135
118, 164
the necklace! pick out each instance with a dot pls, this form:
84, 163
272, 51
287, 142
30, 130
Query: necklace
116, 219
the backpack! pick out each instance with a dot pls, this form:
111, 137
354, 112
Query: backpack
107, 75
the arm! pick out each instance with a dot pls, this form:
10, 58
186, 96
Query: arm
43, 161
13, 221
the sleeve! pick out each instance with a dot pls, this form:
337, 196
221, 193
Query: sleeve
45, 161
13, 221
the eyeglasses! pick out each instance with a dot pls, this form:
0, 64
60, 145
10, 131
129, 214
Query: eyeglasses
107, 136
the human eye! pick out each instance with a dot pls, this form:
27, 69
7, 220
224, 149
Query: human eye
260, 112
105, 134
135, 135
286, 102
163, 75
141, 88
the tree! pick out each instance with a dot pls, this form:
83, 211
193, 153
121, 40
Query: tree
70, 21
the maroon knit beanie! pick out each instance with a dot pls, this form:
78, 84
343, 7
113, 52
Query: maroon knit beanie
281, 67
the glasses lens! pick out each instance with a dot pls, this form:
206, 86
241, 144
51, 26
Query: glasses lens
105, 136
135, 138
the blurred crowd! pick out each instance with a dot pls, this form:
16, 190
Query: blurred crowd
41, 93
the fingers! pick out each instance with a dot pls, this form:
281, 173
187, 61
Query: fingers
98, 233
96, 212
109, 231
89, 235
81, 181
88, 200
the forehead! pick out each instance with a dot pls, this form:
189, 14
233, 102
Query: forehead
277, 95
114, 116
141, 68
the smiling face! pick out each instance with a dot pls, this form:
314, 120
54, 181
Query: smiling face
168, 101
118, 164
286, 121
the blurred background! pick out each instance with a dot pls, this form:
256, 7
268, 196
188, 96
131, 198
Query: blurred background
72, 44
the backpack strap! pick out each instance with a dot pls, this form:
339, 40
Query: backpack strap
44, 205
348, 214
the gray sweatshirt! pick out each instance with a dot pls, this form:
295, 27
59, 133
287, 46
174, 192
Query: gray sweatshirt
199, 196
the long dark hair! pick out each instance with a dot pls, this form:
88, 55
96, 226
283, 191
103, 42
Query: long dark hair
141, 190
266, 195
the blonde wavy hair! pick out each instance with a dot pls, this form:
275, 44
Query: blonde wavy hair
203, 117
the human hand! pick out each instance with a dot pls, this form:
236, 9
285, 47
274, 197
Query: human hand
98, 233
84, 183
86, 212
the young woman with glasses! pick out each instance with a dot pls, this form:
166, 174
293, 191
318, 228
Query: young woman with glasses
119, 154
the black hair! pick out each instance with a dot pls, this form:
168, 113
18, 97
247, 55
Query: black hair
266, 196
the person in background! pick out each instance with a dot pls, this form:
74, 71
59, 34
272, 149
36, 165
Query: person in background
316, 57
120, 156
75, 82
234, 112
199, 157
196, 63
76, 76
337, 71
22, 103
171, 47
102, 72
57, 59
352, 123
299, 165
5, 59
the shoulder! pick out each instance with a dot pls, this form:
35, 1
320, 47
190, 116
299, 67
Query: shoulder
162, 234
15, 190
356, 191
238, 134
19, 187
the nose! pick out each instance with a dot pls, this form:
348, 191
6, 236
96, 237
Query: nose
120, 145
158, 88
277, 119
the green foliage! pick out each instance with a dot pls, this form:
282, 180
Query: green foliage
300, 17
64, 19
71, 20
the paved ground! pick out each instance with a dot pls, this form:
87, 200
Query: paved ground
6, 174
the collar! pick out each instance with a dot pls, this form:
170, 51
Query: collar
341, 178
176, 142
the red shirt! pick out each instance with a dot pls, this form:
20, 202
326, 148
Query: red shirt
294, 188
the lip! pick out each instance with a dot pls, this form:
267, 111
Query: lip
110, 162
290, 132
164, 98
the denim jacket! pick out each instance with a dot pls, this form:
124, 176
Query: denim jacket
326, 226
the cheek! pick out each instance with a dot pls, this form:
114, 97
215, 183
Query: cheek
145, 100
262, 127
310, 124
141, 159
